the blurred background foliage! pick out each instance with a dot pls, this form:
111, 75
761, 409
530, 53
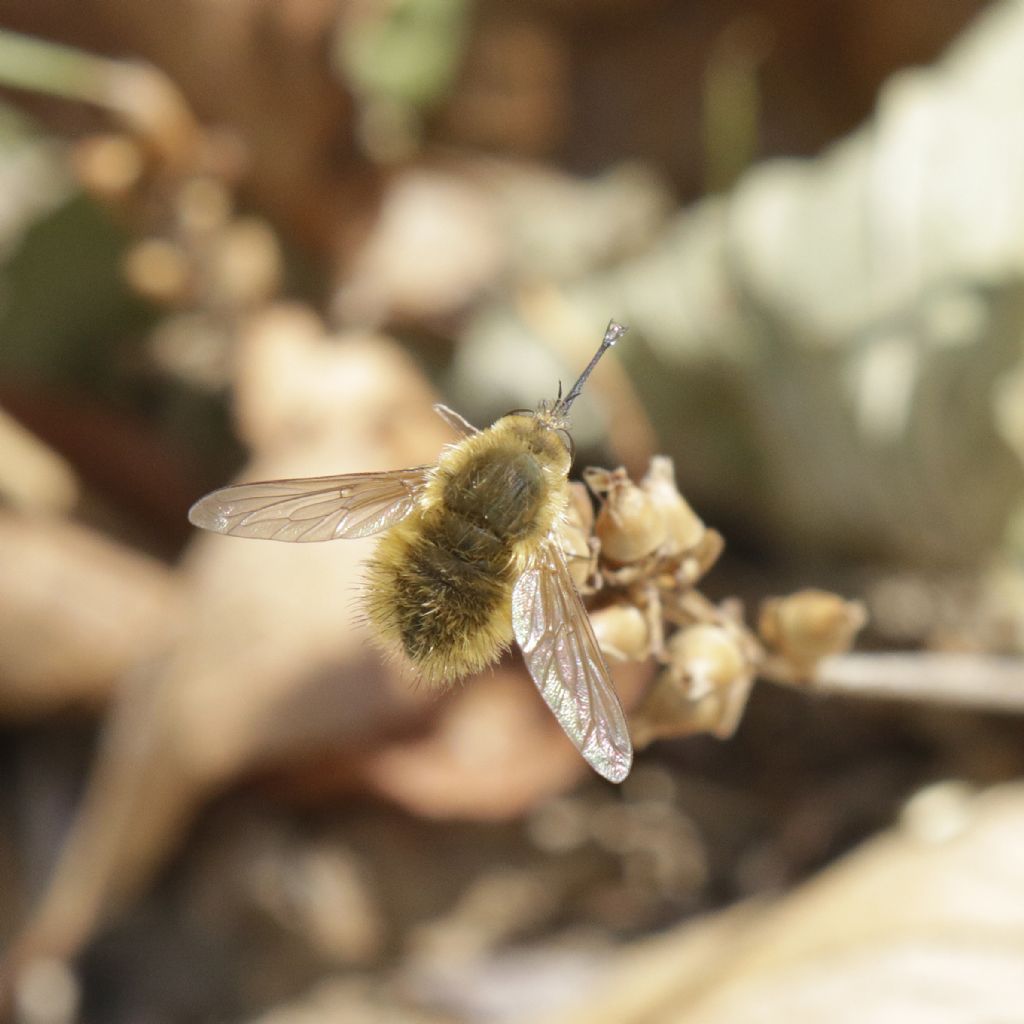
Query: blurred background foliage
263, 238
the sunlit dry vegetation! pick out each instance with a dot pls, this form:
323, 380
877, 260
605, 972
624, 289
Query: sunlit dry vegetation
261, 240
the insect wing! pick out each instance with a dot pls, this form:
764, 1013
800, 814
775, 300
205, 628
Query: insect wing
456, 421
312, 509
558, 643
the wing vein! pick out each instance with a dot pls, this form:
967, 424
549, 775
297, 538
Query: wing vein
315, 509
562, 655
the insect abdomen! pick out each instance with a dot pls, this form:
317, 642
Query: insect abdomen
440, 589
440, 584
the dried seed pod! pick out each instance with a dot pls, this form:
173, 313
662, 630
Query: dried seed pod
668, 711
203, 205
629, 524
159, 270
195, 346
704, 688
245, 265
709, 657
684, 529
580, 512
671, 710
622, 632
108, 166
700, 559
810, 625
579, 545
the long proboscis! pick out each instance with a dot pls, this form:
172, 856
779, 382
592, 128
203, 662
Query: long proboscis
612, 333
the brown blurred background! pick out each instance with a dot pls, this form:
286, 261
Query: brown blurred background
262, 238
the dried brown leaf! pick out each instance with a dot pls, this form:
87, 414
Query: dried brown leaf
271, 662
496, 751
76, 611
922, 924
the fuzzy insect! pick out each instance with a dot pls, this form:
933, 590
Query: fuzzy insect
470, 556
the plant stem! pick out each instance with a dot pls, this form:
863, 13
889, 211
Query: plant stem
981, 681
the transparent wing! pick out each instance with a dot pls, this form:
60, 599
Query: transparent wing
457, 422
312, 509
561, 652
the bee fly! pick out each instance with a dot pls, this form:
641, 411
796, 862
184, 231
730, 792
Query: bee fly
469, 557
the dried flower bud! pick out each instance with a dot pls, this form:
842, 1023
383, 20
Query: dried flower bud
622, 632
245, 265
629, 525
203, 205
698, 561
704, 688
159, 270
579, 546
684, 529
580, 511
709, 657
108, 166
195, 347
810, 625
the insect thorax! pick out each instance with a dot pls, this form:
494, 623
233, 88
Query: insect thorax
506, 480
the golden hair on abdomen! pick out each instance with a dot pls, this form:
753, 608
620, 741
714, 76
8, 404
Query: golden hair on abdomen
439, 587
